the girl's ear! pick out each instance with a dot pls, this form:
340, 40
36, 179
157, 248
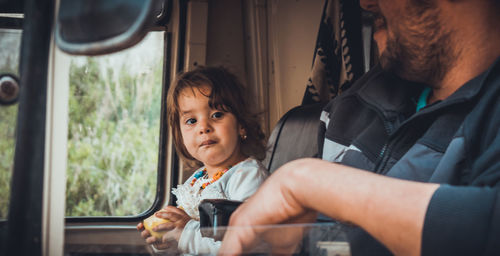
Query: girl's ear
243, 133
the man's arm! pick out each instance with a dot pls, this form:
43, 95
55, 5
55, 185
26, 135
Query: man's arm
391, 210
462, 220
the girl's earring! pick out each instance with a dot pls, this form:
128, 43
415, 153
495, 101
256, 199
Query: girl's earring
243, 136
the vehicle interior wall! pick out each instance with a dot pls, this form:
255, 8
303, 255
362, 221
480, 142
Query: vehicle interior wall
283, 34
269, 45
294, 28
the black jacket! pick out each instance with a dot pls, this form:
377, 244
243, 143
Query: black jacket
374, 126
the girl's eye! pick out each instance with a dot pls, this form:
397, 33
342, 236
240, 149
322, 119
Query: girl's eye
217, 115
190, 121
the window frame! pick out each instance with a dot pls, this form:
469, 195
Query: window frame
28, 172
162, 168
76, 228
168, 172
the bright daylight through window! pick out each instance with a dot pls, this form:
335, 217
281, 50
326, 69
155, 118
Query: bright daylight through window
114, 127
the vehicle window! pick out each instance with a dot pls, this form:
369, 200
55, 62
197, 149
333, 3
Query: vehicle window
114, 127
10, 40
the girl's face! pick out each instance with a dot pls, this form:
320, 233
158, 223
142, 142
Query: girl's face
210, 135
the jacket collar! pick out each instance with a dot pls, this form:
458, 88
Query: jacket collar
472, 88
387, 93
393, 96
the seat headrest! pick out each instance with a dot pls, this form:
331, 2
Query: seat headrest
295, 136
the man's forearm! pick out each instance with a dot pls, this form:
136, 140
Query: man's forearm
391, 210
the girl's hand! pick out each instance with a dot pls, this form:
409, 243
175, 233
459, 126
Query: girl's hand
149, 238
178, 220
144, 233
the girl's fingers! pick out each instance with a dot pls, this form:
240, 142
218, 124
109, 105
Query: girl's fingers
165, 215
169, 208
151, 240
161, 246
145, 234
140, 226
173, 209
165, 244
167, 239
172, 215
164, 226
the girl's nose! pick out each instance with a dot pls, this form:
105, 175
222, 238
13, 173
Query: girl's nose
205, 127
205, 130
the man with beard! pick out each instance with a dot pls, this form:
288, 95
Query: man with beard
415, 142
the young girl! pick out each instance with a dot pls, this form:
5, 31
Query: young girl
211, 124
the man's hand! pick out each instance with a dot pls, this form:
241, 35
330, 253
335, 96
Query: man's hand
302, 187
273, 203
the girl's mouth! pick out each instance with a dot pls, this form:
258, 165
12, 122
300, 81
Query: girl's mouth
207, 143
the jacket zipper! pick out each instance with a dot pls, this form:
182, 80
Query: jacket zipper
385, 159
385, 153
381, 155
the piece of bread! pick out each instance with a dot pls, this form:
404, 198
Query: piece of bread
153, 221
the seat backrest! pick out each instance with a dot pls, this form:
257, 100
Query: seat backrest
294, 136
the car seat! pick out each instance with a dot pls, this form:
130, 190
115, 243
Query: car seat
294, 136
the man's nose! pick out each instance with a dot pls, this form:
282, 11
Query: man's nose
369, 5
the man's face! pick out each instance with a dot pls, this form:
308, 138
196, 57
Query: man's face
417, 46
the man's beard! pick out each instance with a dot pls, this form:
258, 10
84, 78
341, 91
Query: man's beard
420, 49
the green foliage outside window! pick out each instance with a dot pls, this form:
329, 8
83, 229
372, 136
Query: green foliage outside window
8, 115
114, 121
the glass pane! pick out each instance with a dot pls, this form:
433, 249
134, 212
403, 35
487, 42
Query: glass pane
290, 239
114, 123
10, 45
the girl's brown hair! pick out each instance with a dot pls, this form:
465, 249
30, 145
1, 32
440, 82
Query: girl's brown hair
226, 95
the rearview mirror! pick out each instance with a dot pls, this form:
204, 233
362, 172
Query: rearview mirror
94, 27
